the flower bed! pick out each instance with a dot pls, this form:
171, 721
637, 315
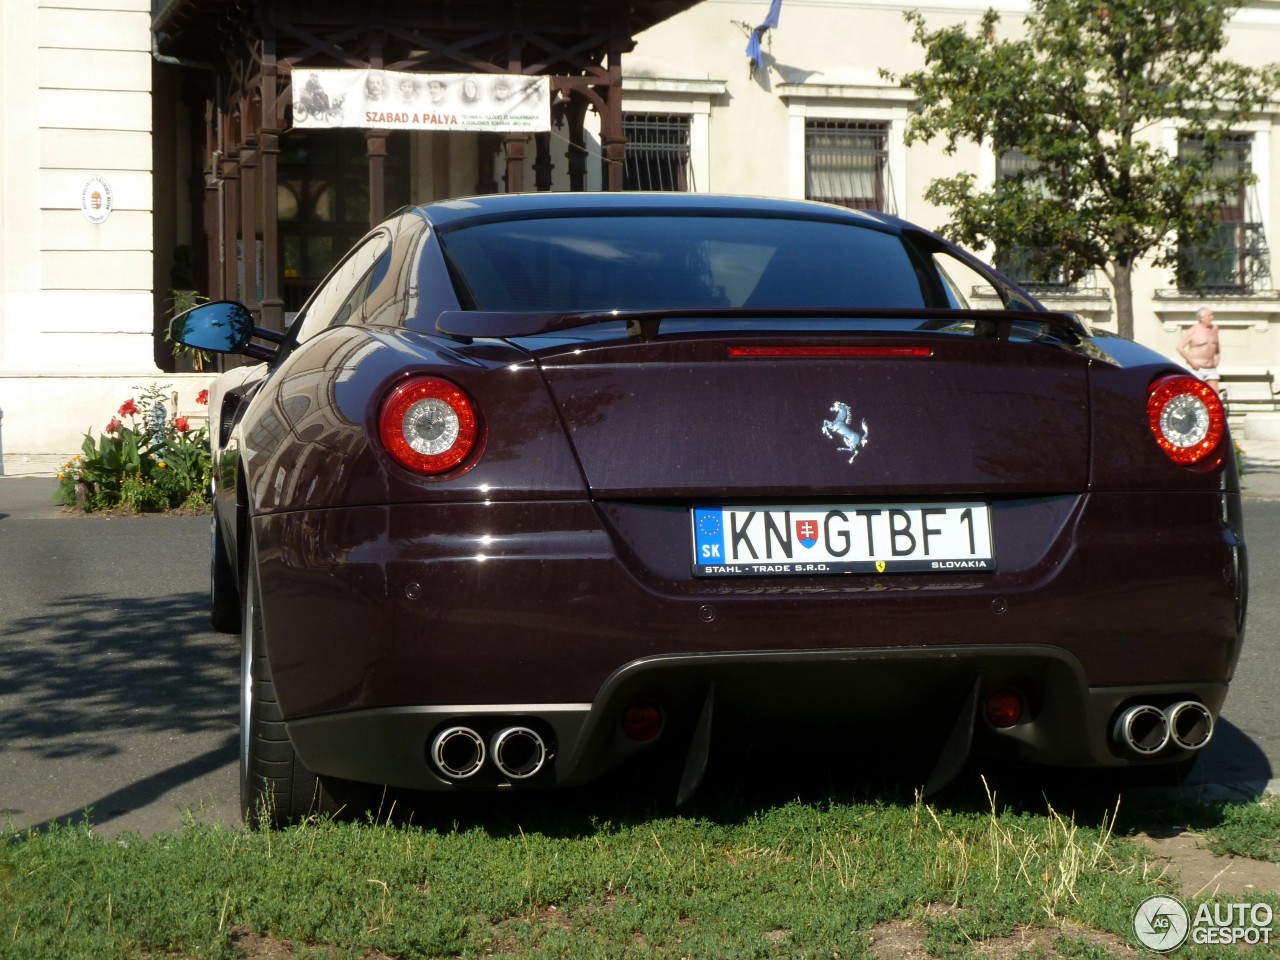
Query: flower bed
145, 460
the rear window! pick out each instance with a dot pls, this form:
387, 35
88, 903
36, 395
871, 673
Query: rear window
655, 263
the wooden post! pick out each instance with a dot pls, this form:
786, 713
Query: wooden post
248, 212
514, 145
615, 140
376, 149
271, 123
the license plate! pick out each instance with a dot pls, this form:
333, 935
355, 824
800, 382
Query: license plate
843, 538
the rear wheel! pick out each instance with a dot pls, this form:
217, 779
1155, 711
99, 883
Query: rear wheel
275, 788
224, 598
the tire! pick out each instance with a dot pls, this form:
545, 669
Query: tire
275, 788
224, 597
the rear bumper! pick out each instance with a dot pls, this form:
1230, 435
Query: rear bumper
382, 623
831, 697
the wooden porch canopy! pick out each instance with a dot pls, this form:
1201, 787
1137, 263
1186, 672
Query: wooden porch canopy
252, 49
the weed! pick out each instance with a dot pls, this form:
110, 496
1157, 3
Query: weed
795, 880
1249, 830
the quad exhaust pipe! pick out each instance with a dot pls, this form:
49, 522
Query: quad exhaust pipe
460, 752
1146, 730
1190, 724
518, 752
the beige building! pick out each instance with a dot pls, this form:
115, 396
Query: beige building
76, 203
107, 188
819, 120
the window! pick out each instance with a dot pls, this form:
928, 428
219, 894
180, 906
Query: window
1234, 258
1021, 263
339, 298
323, 201
657, 156
610, 262
846, 163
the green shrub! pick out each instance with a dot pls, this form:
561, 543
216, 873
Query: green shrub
152, 462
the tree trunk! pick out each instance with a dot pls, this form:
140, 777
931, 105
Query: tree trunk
1124, 299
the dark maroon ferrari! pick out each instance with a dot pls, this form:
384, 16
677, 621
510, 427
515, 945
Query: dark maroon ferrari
535, 484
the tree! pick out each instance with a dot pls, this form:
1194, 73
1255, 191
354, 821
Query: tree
1085, 93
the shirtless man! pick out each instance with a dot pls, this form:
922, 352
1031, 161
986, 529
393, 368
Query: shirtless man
1199, 347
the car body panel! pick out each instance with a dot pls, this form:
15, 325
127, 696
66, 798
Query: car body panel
680, 418
549, 578
559, 599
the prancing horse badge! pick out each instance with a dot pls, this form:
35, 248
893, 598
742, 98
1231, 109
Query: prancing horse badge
851, 438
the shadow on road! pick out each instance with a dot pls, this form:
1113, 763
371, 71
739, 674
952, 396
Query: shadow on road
97, 691
147, 790
90, 666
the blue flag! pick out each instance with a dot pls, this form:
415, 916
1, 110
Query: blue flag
768, 23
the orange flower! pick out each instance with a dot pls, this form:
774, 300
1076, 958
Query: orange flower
202, 397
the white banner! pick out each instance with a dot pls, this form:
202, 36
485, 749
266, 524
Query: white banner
390, 100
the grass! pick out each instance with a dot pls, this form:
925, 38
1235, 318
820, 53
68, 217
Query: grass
791, 879
1249, 830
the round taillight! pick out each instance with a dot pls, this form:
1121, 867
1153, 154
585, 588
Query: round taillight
428, 425
1186, 418
1004, 709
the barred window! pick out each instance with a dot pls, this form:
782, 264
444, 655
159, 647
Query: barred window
1021, 263
1014, 161
847, 163
657, 155
1234, 258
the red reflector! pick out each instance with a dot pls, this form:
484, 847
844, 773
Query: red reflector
831, 352
1004, 709
641, 721
1186, 418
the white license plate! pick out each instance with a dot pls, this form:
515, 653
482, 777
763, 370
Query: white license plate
842, 538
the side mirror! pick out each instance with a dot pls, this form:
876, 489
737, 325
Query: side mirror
223, 326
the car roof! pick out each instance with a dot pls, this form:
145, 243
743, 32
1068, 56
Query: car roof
467, 211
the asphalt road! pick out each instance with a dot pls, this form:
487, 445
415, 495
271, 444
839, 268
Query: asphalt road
116, 696
114, 693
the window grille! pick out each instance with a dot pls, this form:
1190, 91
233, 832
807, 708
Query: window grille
1019, 263
657, 154
1234, 258
847, 163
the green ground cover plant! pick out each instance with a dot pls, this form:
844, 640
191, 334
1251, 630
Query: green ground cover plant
146, 459
1249, 830
796, 879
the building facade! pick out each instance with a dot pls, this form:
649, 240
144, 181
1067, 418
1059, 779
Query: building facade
149, 152
819, 119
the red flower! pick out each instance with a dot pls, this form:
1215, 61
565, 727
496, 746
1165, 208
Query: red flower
202, 397
114, 425
129, 408
181, 424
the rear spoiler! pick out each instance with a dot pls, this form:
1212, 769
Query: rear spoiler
467, 325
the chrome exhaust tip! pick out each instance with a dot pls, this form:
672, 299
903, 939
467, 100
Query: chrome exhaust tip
458, 752
1190, 724
518, 752
1144, 729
